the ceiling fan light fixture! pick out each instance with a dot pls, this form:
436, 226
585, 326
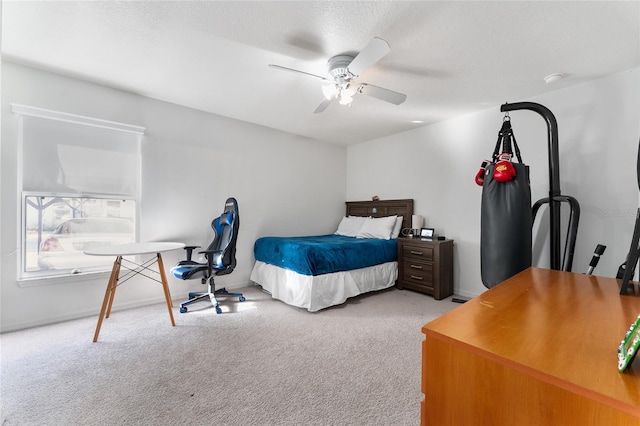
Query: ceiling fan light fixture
345, 98
330, 91
350, 89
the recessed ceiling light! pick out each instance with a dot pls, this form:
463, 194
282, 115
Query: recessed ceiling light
417, 121
553, 77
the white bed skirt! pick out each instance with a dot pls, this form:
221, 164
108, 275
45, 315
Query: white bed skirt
318, 292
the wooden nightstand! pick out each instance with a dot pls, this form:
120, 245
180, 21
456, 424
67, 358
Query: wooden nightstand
426, 266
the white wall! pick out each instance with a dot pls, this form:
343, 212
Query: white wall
191, 162
599, 129
284, 187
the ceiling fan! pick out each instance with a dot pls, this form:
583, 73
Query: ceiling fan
343, 70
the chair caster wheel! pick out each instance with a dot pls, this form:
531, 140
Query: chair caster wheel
218, 310
241, 298
183, 309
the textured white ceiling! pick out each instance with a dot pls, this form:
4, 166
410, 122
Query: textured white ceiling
450, 57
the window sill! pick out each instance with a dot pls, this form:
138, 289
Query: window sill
61, 279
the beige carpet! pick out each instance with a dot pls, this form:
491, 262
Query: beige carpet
261, 362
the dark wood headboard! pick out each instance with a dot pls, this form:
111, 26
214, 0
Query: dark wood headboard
382, 208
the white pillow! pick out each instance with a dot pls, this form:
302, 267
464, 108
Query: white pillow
349, 226
397, 228
377, 227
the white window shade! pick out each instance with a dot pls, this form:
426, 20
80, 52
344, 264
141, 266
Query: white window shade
77, 173
79, 156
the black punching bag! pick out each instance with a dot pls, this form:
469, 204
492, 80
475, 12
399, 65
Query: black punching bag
506, 216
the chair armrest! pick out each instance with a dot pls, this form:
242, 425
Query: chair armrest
189, 250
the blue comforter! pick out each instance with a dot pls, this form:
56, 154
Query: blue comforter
324, 254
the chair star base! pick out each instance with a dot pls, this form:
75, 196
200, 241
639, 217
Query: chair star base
195, 296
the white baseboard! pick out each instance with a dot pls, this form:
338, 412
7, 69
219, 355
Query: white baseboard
117, 306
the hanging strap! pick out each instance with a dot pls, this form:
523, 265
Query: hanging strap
507, 139
515, 146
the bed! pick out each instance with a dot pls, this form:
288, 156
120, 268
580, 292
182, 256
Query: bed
316, 272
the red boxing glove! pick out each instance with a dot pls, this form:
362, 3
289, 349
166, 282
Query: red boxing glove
504, 170
481, 172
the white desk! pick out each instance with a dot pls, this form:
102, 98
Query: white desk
144, 269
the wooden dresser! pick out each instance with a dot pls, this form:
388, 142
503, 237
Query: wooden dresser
426, 266
537, 349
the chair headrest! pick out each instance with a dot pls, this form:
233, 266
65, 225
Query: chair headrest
231, 205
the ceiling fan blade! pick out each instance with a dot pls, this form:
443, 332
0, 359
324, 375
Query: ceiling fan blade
375, 50
381, 93
323, 105
278, 67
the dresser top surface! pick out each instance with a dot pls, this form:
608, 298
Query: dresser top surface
564, 327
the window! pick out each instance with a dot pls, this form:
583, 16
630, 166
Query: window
59, 229
80, 183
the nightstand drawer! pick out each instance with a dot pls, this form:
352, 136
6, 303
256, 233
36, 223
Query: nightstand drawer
418, 272
420, 252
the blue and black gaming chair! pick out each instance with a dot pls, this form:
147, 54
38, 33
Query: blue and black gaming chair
220, 255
